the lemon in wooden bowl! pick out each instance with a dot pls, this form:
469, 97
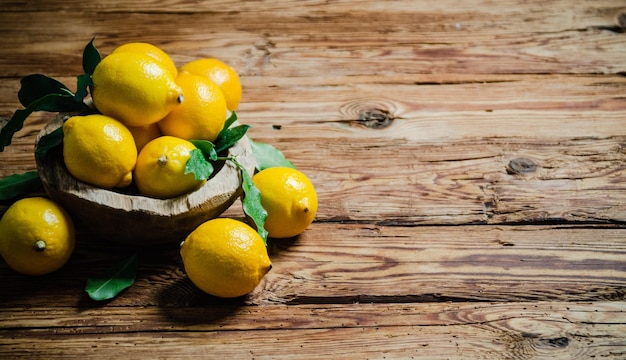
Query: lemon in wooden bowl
122, 215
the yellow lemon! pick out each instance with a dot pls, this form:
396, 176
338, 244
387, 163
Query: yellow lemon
223, 75
202, 115
134, 88
151, 50
160, 170
289, 198
225, 257
144, 134
36, 236
99, 150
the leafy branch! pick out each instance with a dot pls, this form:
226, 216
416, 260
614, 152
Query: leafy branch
41, 93
206, 153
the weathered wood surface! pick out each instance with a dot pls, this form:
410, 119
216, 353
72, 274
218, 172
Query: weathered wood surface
411, 331
470, 163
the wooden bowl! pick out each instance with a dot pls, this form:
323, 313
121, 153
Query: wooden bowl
126, 217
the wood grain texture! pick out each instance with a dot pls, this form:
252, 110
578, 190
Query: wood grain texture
469, 159
347, 263
395, 331
261, 39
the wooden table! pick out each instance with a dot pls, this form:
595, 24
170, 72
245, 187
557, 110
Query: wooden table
470, 161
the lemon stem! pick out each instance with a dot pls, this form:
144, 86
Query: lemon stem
162, 160
40, 245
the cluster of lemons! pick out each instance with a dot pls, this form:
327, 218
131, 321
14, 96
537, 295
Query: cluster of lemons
148, 110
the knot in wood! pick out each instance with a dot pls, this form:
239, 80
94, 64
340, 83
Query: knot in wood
560, 342
375, 118
521, 166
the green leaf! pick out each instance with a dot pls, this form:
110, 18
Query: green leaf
229, 137
82, 84
207, 147
268, 156
231, 120
18, 184
113, 281
48, 142
91, 58
226, 131
252, 202
36, 86
198, 165
16, 122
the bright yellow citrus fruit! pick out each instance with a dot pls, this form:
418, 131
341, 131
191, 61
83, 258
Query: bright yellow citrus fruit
289, 198
151, 50
134, 88
223, 75
202, 115
225, 258
36, 236
160, 170
99, 150
144, 134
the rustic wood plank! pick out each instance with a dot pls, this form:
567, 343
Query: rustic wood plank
508, 37
575, 180
346, 263
560, 12
465, 330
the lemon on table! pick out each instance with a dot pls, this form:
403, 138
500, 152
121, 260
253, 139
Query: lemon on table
202, 115
134, 88
220, 73
36, 236
289, 198
160, 170
144, 134
225, 257
151, 50
99, 150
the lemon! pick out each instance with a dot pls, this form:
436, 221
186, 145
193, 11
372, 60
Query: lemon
36, 236
134, 88
151, 50
225, 258
160, 170
223, 75
289, 198
99, 150
202, 115
144, 134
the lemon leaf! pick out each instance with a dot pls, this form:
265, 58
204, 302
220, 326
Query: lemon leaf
117, 278
82, 83
198, 165
18, 184
48, 142
229, 137
231, 120
207, 147
268, 156
251, 202
36, 86
91, 57
16, 122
